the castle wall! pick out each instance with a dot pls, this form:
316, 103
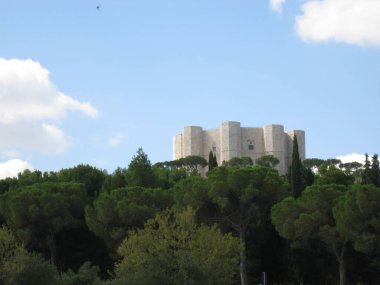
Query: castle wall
211, 142
252, 143
177, 150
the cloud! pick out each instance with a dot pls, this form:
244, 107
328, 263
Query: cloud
352, 158
29, 102
116, 140
354, 22
12, 167
276, 5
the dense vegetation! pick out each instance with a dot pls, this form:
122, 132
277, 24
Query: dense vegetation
170, 223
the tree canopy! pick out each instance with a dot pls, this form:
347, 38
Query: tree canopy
172, 249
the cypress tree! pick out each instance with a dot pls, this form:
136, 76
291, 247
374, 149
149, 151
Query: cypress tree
210, 161
296, 177
366, 179
375, 171
215, 162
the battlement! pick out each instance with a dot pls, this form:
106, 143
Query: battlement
231, 140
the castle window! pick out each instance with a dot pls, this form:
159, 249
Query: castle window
251, 146
214, 149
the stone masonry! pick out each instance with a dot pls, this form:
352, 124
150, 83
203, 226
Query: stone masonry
231, 140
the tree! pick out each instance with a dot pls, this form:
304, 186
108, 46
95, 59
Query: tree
357, 215
375, 171
38, 212
193, 163
91, 177
167, 174
86, 275
29, 269
268, 161
212, 162
310, 218
239, 162
172, 249
139, 171
17, 266
244, 196
296, 175
366, 174
113, 214
313, 163
333, 175
353, 169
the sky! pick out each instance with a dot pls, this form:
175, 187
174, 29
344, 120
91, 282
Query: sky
89, 82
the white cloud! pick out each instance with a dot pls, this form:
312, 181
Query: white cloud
12, 167
28, 103
276, 5
116, 140
352, 158
348, 21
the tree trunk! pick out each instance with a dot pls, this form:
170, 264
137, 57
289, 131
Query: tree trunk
341, 257
342, 272
52, 247
243, 259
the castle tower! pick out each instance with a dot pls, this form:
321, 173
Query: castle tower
192, 143
274, 140
230, 140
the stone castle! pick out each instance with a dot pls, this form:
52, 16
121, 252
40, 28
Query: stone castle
231, 140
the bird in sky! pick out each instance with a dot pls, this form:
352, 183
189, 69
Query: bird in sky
98, 7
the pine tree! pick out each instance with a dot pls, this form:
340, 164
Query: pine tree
296, 177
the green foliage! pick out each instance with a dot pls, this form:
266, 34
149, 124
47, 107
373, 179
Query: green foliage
86, 275
371, 171
38, 212
8, 246
244, 196
297, 182
192, 163
91, 177
312, 163
300, 220
172, 249
166, 178
358, 217
192, 192
123, 209
310, 219
28, 269
19, 267
333, 175
268, 161
239, 162
139, 171
118, 179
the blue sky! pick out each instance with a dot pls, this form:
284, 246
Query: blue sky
86, 85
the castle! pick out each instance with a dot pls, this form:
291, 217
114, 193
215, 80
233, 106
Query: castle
231, 140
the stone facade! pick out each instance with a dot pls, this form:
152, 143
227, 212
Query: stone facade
231, 140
